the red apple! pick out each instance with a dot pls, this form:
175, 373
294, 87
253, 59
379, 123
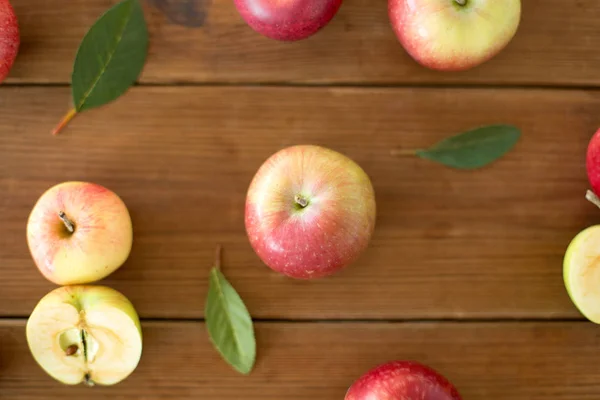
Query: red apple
593, 162
79, 232
310, 211
287, 20
406, 380
9, 38
454, 35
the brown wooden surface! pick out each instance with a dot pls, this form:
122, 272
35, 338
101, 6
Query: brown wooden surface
557, 43
488, 361
447, 244
483, 249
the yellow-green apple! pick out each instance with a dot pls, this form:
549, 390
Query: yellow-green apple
408, 380
9, 38
287, 20
79, 232
85, 334
454, 35
310, 211
581, 272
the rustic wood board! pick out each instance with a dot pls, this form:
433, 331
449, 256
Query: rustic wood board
487, 361
207, 41
464, 272
448, 244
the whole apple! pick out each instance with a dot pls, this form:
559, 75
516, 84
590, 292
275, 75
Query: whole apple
406, 380
85, 334
288, 20
9, 38
454, 35
310, 211
581, 273
593, 162
79, 232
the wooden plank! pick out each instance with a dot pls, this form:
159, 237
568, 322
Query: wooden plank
448, 243
207, 41
491, 361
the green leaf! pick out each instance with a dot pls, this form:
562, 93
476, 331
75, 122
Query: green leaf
229, 324
110, 57
475, 148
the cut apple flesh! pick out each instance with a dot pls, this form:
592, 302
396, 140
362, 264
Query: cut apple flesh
99, 344
582, 272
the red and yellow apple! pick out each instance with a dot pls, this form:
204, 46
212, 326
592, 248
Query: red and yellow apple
454, 35
593, 162
408, 380
85, 334
287, 20
79, 232
9, 38
310, 211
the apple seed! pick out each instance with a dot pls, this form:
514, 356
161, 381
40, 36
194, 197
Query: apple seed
72, 350
68, 223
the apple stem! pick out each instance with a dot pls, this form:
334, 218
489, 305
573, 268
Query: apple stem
87, 380
301, 201
63, 122
461, 2
218, 256
592, 198
68, 223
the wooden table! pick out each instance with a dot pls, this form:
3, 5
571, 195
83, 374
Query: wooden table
464, 272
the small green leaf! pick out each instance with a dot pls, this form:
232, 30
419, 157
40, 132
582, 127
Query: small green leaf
111, 56
229, 323
475, 148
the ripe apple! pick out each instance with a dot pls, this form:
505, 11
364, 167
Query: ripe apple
593, 162
287, 20
454, 35
9, 38
79, 232
581, 272
85, 334
406, 380
310, 211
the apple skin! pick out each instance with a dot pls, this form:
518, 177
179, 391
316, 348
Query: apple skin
407, 380
325, 236
287, 20
581, 273
100, 243
9, 38
593, 162
114, 335
443, 35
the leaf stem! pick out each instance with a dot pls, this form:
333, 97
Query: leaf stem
405, 152
592, 198
218, 256
66, 119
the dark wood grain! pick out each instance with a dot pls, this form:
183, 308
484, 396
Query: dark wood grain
527, 361
448, 244
207, 41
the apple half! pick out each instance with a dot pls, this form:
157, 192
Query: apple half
581, 272
85, 334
